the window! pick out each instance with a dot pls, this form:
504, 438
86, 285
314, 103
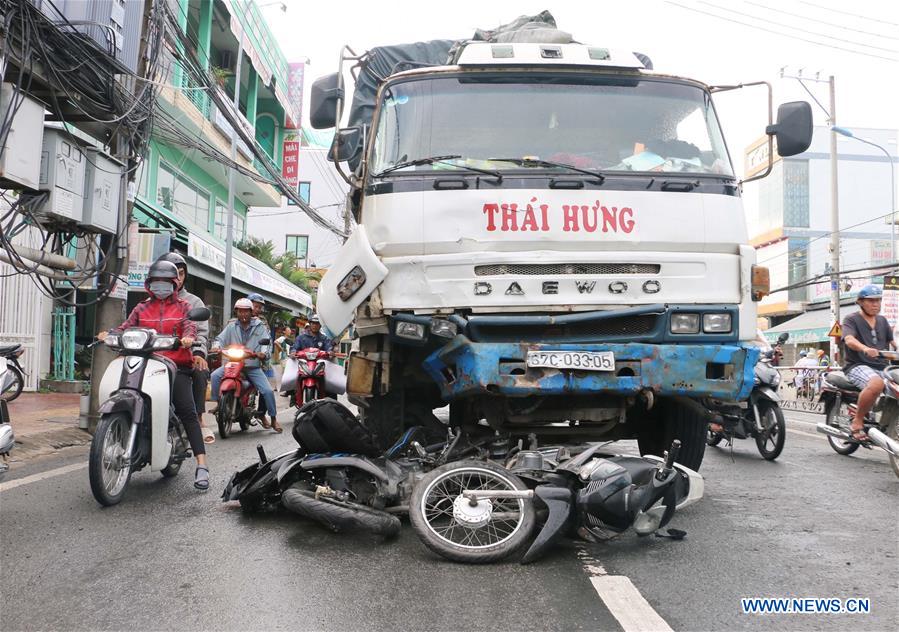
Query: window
304, 189
298, 245
221, 222
179, 195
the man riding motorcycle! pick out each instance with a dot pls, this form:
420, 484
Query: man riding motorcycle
312, 338
200, 375
247, 331
167, 314
865, 334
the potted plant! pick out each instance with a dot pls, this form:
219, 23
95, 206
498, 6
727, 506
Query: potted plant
220, 74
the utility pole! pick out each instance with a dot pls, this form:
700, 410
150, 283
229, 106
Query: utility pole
229, 231
834, 196
834, 219
111, 310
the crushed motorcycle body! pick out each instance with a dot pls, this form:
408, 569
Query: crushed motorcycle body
472, 498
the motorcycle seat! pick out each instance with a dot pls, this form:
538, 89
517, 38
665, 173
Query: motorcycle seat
838, 380
6, 350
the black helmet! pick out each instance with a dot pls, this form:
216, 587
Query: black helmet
174, 257
163, 270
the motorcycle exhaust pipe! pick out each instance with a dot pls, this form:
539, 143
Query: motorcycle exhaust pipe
823, 428
883, 441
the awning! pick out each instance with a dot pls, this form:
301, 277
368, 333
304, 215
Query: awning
809, 327
247, 274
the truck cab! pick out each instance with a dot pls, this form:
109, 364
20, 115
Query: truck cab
550, 239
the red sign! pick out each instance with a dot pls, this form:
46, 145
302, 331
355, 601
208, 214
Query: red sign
290, 164
536, 217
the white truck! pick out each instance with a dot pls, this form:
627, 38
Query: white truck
550, 239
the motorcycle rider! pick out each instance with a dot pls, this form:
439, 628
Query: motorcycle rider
248, 330
258, 302
200, 375
865, 333
312, 338
165, 312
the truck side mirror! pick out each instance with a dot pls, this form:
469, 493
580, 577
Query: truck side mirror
325, 94
347, 145
793, 129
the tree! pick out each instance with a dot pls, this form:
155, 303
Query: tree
264, 251
284, 264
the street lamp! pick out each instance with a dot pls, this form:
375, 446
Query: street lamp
229, 230
842, 131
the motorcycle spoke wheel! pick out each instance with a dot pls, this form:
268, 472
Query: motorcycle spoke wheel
839, 418
109, 474
494, 521
13, 383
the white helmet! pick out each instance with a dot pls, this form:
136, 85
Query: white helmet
243, 303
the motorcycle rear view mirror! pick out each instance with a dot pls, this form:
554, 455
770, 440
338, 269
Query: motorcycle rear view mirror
198, 314
782, 338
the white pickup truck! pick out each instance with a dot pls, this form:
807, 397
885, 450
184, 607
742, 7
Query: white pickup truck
550, 238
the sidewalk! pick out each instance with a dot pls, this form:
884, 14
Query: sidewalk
44, 422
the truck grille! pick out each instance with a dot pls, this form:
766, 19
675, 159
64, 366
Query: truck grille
626, 327
555, 269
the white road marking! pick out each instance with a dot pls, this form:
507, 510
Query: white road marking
621, 597
42, 476
627, 605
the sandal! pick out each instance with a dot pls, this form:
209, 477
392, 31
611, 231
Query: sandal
264, 422
858, 435
201, 478
208, 435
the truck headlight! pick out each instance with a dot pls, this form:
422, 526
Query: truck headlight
412, 331
684, 323
716, 323
443, 328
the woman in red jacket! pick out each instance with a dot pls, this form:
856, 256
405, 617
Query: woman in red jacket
167, 314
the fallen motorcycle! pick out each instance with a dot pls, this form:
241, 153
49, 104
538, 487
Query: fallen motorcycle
339, 476
479, 512
840, 397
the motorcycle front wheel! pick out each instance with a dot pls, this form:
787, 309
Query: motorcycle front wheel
226, 414
449, 525
109, 474
770, 442
13, 383
309, 394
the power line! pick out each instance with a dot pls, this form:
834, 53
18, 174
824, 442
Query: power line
815, 33
855, 15
817, 279
810, 19
767, 30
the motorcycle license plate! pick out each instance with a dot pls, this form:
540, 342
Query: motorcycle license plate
575, 360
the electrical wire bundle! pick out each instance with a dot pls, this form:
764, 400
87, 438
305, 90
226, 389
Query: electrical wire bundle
98, 89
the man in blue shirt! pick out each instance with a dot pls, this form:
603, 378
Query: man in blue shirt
312, 338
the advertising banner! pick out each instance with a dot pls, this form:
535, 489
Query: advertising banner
295, 74
290, 162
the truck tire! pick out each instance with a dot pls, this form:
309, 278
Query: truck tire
386, 418
676, 420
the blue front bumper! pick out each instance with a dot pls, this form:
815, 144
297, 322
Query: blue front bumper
464, 368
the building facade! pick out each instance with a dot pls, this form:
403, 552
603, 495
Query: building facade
792, 226
289, 228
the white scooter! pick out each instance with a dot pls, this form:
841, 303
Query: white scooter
7, 438
138, 425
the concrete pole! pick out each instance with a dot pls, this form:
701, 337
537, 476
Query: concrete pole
834, 221
229, 234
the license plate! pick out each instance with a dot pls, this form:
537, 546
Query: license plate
576, 360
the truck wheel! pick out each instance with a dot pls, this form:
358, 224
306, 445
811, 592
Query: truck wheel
676, 420
387, 419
